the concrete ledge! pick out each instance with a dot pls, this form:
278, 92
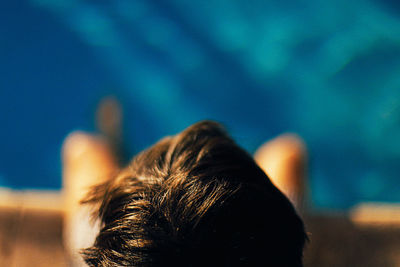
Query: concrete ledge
32, 199
376, 214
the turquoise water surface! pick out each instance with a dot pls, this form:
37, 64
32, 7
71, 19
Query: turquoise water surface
327, 70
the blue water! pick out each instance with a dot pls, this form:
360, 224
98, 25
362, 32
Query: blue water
327, 70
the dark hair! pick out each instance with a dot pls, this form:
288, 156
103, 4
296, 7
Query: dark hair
194, 199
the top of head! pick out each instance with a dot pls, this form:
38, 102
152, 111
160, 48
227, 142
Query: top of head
194, 199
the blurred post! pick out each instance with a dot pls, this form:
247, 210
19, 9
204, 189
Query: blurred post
284, 160
88, 160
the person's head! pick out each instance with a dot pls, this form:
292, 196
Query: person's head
194, 199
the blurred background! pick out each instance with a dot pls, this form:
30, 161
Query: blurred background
325, 70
